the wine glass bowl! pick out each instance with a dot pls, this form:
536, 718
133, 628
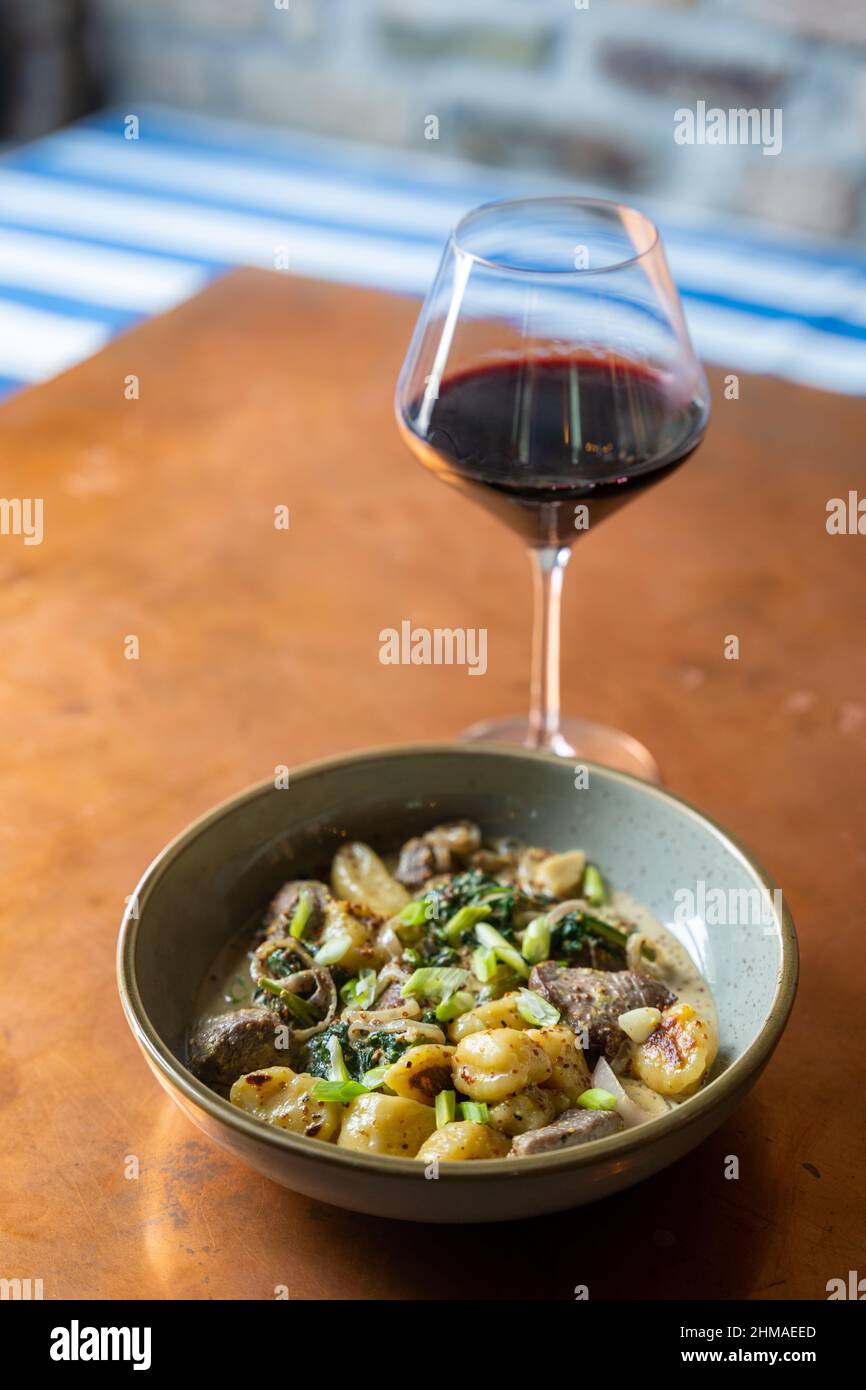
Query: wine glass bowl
551, 378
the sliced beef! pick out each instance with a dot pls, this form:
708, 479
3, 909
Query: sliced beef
591, 1001
572, 1128
228, 1046
392, 995
442, 850
281, 910
419, 860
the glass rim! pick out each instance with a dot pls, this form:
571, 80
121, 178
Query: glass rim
564, 199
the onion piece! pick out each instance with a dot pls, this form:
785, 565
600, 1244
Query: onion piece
604, 1078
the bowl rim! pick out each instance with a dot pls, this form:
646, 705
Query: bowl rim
723, 1088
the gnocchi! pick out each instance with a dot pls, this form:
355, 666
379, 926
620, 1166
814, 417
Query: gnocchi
463, 1140
285, 1099
421, 1073
492, 1065
569, 1072
677, 1055
358, 875
378, 1124
450, 1000
496, 1013
529, 1109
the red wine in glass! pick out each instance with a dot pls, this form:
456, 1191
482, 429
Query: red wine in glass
530, 438
551, 378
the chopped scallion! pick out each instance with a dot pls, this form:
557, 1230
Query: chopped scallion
374, 1078
475, 1111
434, 982
458, 1003
597, 1099
594, 891
301, 914
494, 940
484, 964
535, 943
462, 920
293, 1002
414, 914
337, 1070
341, 1091
535, 1009
360, 993
333, 948
446, 1108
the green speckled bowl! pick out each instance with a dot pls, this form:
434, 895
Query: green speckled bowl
226, 866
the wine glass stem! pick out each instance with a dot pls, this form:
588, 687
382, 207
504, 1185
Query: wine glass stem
548, 568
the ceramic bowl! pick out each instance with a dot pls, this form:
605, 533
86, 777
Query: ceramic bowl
225, 867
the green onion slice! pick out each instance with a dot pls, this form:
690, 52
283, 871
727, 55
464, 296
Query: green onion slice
342, 1091
446, 1108
297, 1006
333, 948
301, 914
484, 964
374, 1078
475, 1111
434, 982
337, 1071
456, 1004
535, 1009
360, 993
535, 942
494, 940
414, 914
594, 891
597, 1099
462, 920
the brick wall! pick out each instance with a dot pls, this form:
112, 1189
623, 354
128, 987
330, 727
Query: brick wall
583, 89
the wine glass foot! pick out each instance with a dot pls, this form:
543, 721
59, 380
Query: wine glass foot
578, 738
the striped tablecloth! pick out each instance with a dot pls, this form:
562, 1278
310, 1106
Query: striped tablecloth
98, 231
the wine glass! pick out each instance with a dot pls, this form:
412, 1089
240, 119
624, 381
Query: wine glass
551, 378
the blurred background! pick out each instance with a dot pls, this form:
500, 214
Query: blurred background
341, 137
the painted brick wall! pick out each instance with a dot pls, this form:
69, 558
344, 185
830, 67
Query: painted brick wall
584, 89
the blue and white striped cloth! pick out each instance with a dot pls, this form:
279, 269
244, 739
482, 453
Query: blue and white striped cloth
98, 232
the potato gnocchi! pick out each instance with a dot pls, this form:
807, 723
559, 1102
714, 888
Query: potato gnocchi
457, 1001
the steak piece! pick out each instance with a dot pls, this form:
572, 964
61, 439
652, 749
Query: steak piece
591, 1001
572, 1128
282, 908
421, 859
229, 1045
